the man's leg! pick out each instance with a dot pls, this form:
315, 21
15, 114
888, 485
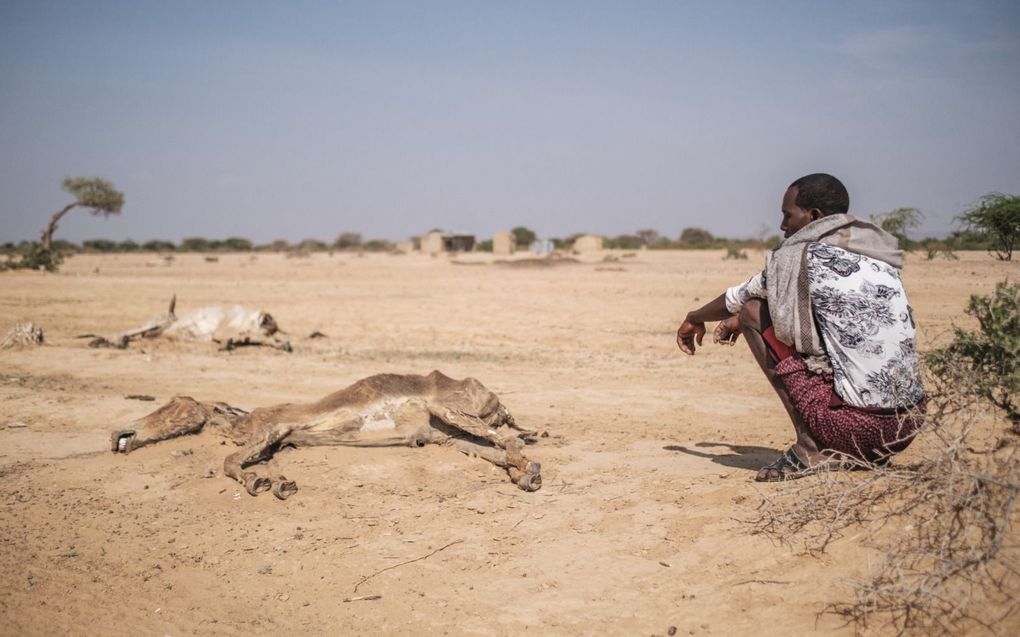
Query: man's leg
754, 320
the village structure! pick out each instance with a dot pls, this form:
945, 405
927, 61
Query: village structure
504, 244
588, 243
436, 242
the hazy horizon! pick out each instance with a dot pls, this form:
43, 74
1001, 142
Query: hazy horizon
308, 119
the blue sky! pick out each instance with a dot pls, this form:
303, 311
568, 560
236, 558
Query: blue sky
307, 119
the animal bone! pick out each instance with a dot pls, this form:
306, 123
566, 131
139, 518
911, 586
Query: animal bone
378, 411
231, 326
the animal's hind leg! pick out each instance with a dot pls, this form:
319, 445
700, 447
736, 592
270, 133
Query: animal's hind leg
261, 449
179, 417
528, 479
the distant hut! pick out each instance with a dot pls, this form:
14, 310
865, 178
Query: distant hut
436, 242
588, 243
503, 243
459, 242
432, 242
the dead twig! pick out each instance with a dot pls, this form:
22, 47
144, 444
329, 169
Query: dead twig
417, 559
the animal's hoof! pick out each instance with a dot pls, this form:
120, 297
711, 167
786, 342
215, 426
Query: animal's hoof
284, 488
530, 482
255, 484
120, 441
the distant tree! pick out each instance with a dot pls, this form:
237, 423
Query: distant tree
99, 245
195, 244
567, 242
376, 245
997, 217
237, 244
311, 245
485, 245
625, 242
279, 245
696, 237
647, 236
523, 237
65, 247
94, 193
897, 222
127, 245
661, 243
347, 241
158, 246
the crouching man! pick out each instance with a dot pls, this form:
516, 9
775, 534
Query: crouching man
829, 324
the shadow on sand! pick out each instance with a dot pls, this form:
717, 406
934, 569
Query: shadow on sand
737, 456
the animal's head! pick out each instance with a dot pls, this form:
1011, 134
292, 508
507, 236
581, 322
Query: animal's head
487, 406
469, 396
503, 416
267, 324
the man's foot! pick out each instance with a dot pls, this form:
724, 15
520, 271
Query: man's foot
787, 467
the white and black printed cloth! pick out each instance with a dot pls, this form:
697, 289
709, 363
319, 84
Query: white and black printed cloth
864, 321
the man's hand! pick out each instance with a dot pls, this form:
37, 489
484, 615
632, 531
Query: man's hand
689, 333
727, 331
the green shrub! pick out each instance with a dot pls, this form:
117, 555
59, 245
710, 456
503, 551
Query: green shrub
157, 245
32, 256
237, 244
195, 244
99, 245
734, 252
992, 354
377, 245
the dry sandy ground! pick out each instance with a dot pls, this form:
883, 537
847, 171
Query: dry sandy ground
640, 525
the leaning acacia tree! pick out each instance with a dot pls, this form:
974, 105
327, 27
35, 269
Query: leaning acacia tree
998, 217
94, 193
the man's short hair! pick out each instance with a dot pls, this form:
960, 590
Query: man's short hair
822, 191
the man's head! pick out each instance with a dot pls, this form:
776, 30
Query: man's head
812, 197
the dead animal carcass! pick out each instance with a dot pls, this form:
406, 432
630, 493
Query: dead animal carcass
22, 335
378, 411
230, 326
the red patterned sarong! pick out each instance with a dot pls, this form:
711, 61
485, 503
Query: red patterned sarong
864, 434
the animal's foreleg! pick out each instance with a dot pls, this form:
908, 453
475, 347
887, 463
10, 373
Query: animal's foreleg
261, 449
529, 478
179, 417
505, 439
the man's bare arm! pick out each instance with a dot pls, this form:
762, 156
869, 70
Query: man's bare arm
692, 330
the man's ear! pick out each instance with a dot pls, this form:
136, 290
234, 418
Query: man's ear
815, 213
